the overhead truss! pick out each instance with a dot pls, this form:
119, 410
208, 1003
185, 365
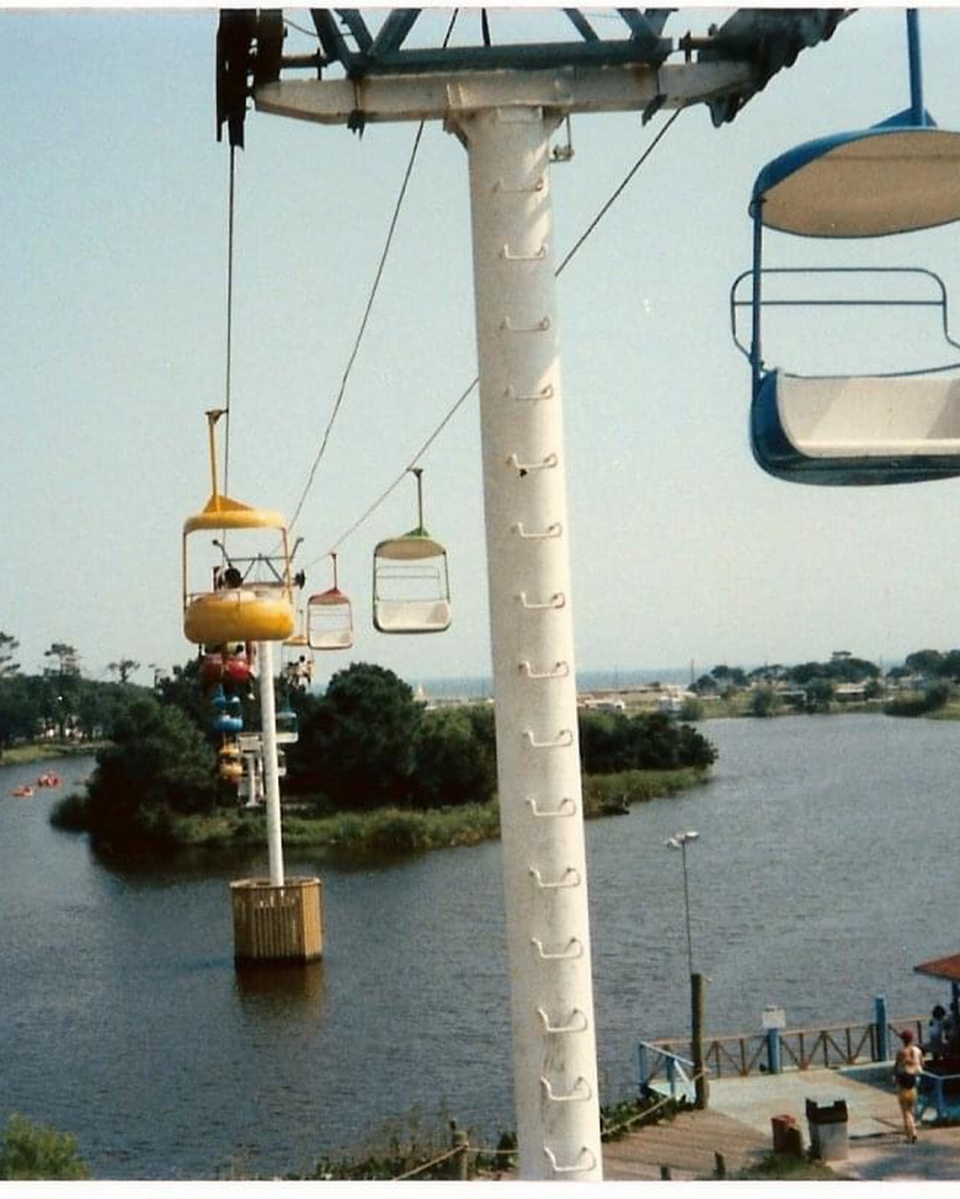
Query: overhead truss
250, 50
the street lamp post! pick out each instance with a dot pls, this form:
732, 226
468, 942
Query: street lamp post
680, 841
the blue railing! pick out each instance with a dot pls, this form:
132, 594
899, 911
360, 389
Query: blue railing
677, 1072
941, 1093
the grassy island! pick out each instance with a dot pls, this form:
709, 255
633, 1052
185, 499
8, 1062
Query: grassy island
372, 771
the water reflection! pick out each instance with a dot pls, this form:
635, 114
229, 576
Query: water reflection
282, 981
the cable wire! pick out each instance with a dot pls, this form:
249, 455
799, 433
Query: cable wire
463, 396
369, 306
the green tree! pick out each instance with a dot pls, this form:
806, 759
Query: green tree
124, 668
764, 701
691, 708
158, 765
453, 765
8, 647
819, 695
64, 675
925, 661
34, 1152
729, 676
357, 742
611, 742
20, 708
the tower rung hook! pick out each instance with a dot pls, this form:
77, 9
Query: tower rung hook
580, 1092
573, 949
545, 393
547, 463
560, 671
526, 190
541, 326
576, 1168
569, 878
518, 256
577, 1022
554, 530
557, 600
566, 807
563, 740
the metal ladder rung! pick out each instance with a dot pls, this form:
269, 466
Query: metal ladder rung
541, 326
572, 1025
580, 1092
537, 256
553, 530
563, 740
572, 950
569, 878
561, 670
557, 600
548, 463
566, 807
538, 186
545, 393
574, 1169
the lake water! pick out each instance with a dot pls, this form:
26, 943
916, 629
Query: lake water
124, 1021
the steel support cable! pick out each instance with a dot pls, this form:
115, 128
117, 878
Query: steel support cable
226, 410
464, 395
369, 306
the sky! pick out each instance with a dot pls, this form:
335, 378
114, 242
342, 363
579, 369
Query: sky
113, 332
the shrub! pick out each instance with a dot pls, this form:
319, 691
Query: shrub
934, 698
32, 1151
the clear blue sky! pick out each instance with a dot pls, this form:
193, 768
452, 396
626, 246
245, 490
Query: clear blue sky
112, 334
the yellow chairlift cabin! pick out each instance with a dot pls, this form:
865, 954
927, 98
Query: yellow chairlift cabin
411, 582
231, 762
253, 604
330, 617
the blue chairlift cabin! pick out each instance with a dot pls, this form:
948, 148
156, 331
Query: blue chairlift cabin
227, 712
900, 176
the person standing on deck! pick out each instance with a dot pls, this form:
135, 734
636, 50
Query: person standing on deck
908, 1066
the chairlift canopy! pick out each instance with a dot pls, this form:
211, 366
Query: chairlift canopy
410, 547
890, 178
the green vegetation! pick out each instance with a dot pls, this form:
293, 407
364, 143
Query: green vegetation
30, 1152
786, 1167
58, 711
373, 771
933, 699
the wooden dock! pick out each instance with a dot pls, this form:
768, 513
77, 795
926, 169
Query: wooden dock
687, 1146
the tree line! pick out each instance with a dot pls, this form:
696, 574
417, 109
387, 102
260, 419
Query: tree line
60, 702
366, 743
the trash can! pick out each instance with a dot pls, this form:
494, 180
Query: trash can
786, 1136
828, 1130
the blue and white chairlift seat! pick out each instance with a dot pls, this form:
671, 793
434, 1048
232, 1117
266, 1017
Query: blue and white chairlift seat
896, 177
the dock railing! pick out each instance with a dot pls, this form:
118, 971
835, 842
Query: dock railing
773, 1050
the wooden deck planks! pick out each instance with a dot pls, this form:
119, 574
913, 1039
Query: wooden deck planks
687, 1144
